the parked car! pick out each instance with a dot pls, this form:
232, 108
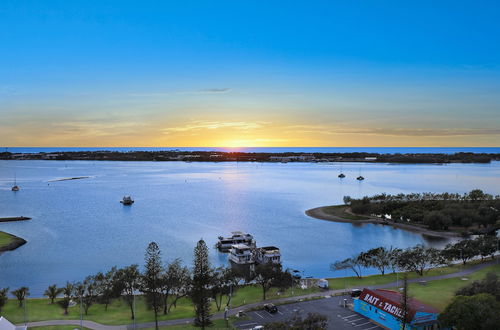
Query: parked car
270, 308
356, 293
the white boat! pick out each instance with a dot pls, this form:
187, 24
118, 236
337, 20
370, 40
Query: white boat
127, 200
15, 187
237, 237
241, 254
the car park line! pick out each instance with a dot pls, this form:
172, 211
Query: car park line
346, 317
352, 321
259, 315
358, 325
247, 324
372, 327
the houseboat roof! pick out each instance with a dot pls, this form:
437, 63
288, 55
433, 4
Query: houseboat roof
269, 248
241, 246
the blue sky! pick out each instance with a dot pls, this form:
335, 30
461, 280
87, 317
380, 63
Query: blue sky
241, 73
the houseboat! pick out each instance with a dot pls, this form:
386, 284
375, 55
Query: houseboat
237, 237
241, 254
127, 200
360, 178
341, 175
266, 254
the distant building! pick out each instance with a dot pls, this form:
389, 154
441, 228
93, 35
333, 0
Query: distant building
384, 308
6, 325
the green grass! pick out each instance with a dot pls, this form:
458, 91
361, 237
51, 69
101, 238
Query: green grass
6, 239
353, 281
119, 313
440, 293
340, 211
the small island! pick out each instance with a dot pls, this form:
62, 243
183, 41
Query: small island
442, 215
9, 242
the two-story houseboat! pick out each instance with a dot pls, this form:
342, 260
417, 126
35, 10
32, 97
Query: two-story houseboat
237, 237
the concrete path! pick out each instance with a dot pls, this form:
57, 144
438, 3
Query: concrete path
219, 315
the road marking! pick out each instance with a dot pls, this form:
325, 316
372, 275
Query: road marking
358, 325
346, 317
371, 328
280, 312
244, 325
259, 315
352, 321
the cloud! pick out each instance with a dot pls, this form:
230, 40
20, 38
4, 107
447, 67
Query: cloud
214, 90
213, 125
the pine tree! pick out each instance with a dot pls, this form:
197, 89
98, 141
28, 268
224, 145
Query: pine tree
151, 279
202, 277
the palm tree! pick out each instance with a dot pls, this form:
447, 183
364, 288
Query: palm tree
52, 292
21, 294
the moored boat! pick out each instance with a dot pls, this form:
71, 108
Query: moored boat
237, 237
127, 200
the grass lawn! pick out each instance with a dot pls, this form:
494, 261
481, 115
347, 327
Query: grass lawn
339, 211
119, 313
6, 239
440, 293
353, 281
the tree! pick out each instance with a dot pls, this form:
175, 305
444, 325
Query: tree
3, 297
490, 284
265, 276
67, 291
313, 321
126, 281
221, 285
151, 283
419, 259
202, 280
462, 250
487, 246
353, 264
105, 287
478, 312
175, 284
21, 294
394, 255
89, 293
52, 292
377, 257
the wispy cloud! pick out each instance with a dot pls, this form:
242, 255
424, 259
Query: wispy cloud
214, 125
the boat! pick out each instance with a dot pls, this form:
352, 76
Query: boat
241, 254
341, 175
360, 177
268, 254
237, 237
15, 187
127, 200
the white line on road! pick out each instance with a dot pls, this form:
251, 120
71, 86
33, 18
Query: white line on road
280, 312
259, 315
346, 317
362, 318
358, 325
244, 325
371, 327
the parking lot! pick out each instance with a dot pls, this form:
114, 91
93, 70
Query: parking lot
338, 317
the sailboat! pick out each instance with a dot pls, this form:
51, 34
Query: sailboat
15, 187
341, 175
360, 177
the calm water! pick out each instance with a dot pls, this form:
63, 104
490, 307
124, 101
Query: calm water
79, 227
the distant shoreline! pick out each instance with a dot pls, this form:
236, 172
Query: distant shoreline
272, 157
319, 213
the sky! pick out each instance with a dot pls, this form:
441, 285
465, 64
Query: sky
249, 73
